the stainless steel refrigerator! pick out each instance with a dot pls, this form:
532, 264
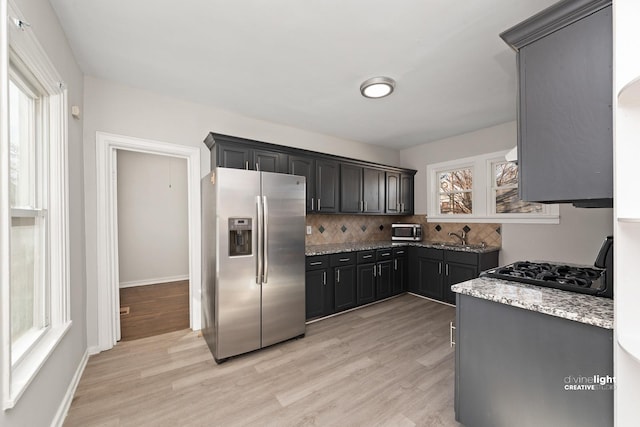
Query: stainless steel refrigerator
253, 288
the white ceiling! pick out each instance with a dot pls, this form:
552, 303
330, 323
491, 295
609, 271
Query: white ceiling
300, 63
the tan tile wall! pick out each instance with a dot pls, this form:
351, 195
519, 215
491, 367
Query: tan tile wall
366, 228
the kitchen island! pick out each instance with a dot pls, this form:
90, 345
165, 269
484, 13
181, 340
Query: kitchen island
530, 356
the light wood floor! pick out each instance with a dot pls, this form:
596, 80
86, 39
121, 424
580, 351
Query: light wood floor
154, 309
388, 364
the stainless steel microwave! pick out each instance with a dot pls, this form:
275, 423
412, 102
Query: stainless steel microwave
406, 232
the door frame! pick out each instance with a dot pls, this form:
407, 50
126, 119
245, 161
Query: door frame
107, 228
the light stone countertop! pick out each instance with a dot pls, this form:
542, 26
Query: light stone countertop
337, 248
588, 309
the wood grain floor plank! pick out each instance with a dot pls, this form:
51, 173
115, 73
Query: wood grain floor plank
388, 364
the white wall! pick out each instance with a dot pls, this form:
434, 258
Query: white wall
153, 226
113, 108
576, 239
40, 402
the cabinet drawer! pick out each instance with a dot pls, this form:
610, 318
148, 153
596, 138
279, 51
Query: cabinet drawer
366, 256
400, 252
337, 260
317, 262
384, 254
461, 257
430, 253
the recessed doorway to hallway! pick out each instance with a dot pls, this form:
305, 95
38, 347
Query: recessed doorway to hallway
153, 244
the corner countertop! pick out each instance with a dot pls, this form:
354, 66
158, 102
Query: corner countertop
588, 309
365, 246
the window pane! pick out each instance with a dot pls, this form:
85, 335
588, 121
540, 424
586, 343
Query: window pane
462, 180
22, 152
27, 276
507, 201
506, 174
456, 203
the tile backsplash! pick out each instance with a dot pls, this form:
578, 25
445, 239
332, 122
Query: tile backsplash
327, 229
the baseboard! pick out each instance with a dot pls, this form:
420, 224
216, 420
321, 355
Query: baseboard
155, 281
93, 350
61, 414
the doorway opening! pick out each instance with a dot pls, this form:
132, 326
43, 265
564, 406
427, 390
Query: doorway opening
108, 278
153, 244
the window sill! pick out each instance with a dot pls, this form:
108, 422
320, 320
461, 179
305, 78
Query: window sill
503, 219
26, 370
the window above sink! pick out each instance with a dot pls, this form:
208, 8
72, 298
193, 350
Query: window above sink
480, 189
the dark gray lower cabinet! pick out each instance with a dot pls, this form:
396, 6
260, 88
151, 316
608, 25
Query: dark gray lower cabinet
319, 287
514, 367
345, 287
366, 283
400, 275
434, 271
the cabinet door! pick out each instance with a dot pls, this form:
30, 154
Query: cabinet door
350, 188
393, 193
366, 283
400, 275
327, 186
345, 287
430, 278
565, 122
305, 166
267, 161
456, 273
316, 292
373, 190
384, 279
233, 156
406, 194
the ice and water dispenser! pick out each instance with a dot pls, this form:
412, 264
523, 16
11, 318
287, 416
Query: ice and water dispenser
239, 236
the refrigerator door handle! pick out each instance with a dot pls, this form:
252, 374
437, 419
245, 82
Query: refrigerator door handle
259, 234
265, 238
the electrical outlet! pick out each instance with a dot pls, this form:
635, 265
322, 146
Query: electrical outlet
308, 230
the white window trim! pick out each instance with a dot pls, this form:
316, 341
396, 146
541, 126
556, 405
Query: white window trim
24, 45
483, 211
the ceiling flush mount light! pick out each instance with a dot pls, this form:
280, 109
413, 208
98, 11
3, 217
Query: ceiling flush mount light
377, 87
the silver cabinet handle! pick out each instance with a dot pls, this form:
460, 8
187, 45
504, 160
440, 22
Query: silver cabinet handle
318, 204
344, 259
315, 263
439, 268
447, 269
259, 232
365, 206
246, 164
374, 271
400, 252
395, 264
366, 256
266, 239
385, 254
257, 167
312, 203
380, 270
398, 207
324, 277
451, 329
337, 275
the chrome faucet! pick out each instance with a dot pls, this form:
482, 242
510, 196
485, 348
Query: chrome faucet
463, 238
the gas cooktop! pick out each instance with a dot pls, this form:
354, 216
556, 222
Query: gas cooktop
584, 280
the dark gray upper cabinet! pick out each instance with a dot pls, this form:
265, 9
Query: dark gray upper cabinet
334, 184
362, 189
393, 193
327, 186
565, 139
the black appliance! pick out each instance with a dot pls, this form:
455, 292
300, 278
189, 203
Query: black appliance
596, 280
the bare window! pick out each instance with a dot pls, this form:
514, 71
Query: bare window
505, 190
456, 191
